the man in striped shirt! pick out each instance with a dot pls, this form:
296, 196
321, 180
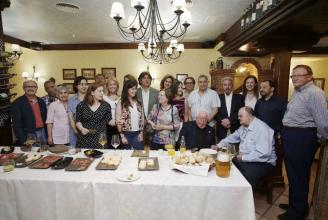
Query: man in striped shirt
305, 120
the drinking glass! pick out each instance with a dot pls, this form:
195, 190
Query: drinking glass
102, 139
40, 143
115, 141
222, 164
8, 165
231, 150
30, 141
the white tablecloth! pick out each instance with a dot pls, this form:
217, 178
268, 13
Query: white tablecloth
33, 194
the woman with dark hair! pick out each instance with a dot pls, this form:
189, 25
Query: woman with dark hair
164, 119
80, 87
179, 101
250, 91
130, 117
166, 82
129, 77
92, 117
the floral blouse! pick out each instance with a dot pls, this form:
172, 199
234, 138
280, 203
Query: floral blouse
126, 117
168, 117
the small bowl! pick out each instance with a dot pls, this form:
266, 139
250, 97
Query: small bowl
210, 152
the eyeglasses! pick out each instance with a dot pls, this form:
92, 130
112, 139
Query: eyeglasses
297, 76
189, 83
29, 86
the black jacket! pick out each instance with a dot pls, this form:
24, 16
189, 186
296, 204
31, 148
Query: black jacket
189, 131
237, 102
23, 117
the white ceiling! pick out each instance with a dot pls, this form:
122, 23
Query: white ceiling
40, 20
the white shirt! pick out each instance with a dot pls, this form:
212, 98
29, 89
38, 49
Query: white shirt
135, 115
113, 105
145, 99
250, 101
205, 102
228, 99
256, 142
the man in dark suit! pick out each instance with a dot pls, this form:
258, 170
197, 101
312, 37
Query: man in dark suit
197, 134
29, 114
227, 118
148, 96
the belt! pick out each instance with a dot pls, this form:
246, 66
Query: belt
299, 128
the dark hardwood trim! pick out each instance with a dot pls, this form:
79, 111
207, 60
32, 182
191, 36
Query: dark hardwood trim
13, 40
313, 51
114, 46
237, 38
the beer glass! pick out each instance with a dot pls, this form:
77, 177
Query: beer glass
222, 164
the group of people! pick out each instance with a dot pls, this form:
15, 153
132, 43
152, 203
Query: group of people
254, 119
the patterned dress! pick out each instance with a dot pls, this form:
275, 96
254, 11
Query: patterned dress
180, 105
96, 120
168, 117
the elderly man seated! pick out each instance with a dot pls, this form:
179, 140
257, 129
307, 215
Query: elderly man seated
256, 156
197, 134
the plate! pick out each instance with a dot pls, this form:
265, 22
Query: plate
147, 166
58, 149
11, 156
21, 162
45, 162
61, 164
140, 153
128, 177
109, 166
93, 153
7, 149
79, 164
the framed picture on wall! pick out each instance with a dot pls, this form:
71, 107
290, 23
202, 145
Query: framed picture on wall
181, 78
108, 72
88, 73
69, 87
320, 82
69, 74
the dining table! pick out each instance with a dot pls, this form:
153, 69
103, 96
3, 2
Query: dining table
168, 194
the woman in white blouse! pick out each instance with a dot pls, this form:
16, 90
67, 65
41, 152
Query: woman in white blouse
112, 98
250, 91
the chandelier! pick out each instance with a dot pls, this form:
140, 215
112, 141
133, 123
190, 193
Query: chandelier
159, 41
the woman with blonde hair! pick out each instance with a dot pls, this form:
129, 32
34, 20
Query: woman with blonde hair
112, 98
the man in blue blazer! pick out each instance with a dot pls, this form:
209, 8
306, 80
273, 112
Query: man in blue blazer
227, 117
29, 114
197, 134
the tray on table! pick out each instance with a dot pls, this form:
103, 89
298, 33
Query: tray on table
45, 162
79, 164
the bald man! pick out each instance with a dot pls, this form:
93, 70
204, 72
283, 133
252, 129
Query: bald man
198, 134
257, 155
29, 114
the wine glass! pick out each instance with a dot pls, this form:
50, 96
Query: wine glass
231, 151
30, 140
102, 139
115, 141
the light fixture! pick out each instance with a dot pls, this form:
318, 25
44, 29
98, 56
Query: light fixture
15, 54
158, 41
31, 76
